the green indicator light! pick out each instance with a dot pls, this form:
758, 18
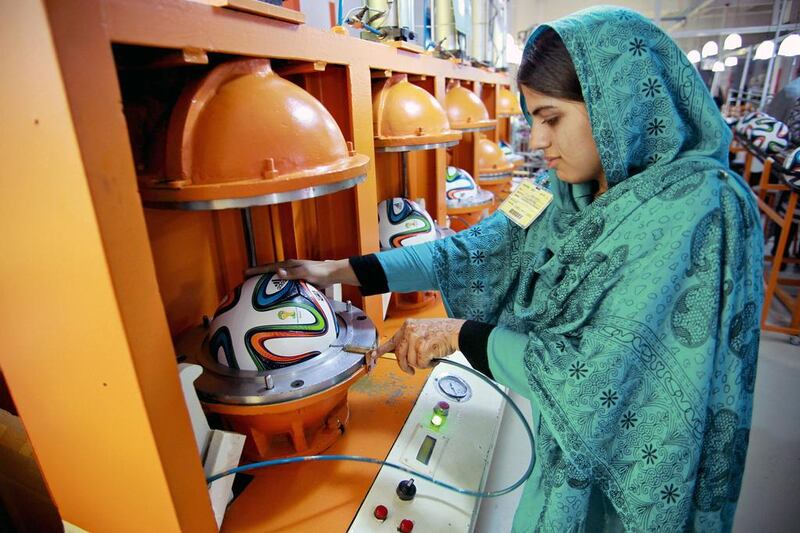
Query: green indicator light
437, 420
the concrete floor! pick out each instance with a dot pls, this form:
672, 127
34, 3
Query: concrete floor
770, 497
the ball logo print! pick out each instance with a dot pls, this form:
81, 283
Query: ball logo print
402, 222
272, 323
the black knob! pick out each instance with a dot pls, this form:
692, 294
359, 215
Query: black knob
406, 490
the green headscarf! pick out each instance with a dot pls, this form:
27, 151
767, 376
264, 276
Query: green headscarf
641, 308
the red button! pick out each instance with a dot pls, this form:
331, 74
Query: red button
381, 512
406, 526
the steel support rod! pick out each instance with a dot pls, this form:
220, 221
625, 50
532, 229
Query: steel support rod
249, 239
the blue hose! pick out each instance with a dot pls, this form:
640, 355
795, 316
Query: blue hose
341, 13
371, 29
359, 459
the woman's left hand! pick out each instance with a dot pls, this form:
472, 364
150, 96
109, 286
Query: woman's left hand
419, 341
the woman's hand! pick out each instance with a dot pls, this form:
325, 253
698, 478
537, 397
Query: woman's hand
319, 273
419, 341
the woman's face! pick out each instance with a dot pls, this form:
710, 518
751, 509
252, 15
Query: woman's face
562, 130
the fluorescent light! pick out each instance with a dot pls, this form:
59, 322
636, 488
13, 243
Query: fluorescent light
732, 42
790, 46
694, 56
765, 50
710, 49
718, 66
731, 61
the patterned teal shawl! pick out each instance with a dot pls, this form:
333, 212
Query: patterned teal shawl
641, 307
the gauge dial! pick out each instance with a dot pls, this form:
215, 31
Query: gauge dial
454, 388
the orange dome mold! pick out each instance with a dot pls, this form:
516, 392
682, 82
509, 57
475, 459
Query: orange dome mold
407, 117
465, 110
245, 136
507, 103
492, 162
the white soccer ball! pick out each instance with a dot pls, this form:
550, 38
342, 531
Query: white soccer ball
268, 323
744, 122
459, 186
792, 164
402, 222
769, 134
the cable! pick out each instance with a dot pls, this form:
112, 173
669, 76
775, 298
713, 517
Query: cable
371, 29
358, 459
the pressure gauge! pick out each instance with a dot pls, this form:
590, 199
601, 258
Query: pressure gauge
454, 388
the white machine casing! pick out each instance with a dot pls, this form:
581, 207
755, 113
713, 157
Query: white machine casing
460, 455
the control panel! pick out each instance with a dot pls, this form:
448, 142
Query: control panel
450, 436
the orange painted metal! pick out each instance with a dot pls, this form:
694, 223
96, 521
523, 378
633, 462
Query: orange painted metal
245, 131
464, 109
300, 427
407, 304
500, 188
767, 198
462, 218
491, 159
109, 428
503, 129
507, 102
404, 114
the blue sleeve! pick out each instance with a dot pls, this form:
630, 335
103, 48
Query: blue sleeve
410, 268
506, 352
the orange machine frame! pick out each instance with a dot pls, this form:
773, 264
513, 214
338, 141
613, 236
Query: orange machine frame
98, 389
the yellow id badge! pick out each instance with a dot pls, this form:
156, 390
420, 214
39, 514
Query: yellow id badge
525, 204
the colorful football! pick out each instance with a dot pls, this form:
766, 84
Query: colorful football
741, 126
769, 134
268, 323
509, 152
402, 222
459, 186
505, 147
792, 161
792, 164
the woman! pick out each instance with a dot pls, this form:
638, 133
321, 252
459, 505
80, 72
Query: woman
628, 312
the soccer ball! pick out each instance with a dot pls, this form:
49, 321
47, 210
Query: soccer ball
744, 122
402, 222
509, 152
769, 134
792, 161
268, 323
459, 186
730, 121
792, 164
